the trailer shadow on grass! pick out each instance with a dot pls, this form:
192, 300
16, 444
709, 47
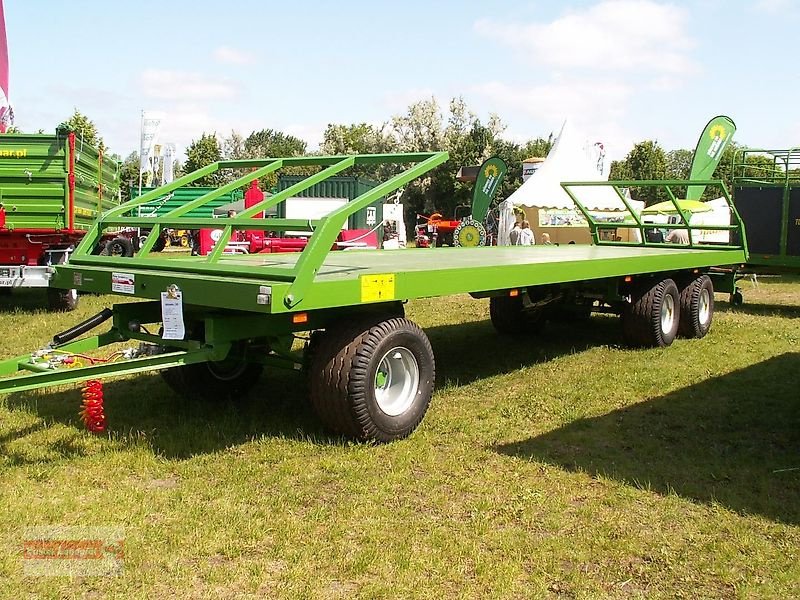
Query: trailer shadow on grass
471, 351
143, 410
785, 311
732, 440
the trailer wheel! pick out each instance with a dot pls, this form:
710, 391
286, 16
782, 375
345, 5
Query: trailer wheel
59, 300
62, 300
652, 317
373, 380
230, 378
697, 307
119, 246
736, 298
509, 317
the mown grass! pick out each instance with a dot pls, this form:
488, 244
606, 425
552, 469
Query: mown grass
566, 466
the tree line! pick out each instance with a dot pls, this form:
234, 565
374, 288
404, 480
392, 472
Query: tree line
423, 127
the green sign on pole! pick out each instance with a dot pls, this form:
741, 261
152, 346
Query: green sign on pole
490, 176
715, 137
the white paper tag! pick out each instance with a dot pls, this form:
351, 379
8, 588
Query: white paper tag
172, 315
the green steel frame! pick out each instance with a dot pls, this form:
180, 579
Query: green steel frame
596, 226
262, 300
783, 173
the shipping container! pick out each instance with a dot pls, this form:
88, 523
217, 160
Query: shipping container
340, 187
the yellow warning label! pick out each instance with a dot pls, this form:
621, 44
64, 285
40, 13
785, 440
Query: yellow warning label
375, 288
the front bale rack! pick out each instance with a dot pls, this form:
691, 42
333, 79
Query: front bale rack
211, 324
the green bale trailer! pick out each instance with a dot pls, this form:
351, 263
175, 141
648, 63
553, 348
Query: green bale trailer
52, 188
212, 324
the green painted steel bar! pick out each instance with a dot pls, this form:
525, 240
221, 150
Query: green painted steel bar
298, 187
319, 245
75, 375
270, 223
684, 218
220, 245
161, 191
327, 160
593, 231
594, 225
193, 266
94, 233
225, 189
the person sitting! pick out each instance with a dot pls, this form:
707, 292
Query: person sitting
678, 236
526, 235
546, 239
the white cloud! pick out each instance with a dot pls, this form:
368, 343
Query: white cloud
773, 7
398, 101
595, 108
612, 35
177, 85
559, 99
233, 56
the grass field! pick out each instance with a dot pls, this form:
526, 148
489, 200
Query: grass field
565, 466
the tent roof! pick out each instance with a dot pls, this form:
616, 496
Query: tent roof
568, 160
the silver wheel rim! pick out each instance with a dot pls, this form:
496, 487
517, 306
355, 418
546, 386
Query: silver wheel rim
73, 294
667, 313
396, 381
704, 307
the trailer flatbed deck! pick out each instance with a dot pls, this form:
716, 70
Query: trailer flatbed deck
211, 324
416, 273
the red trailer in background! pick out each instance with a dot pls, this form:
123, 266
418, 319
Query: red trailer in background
266, 242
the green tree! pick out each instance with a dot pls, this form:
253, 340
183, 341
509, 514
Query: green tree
360, 138
129, 175
203, 152
645, 161
83, 127
270, 143
678, 163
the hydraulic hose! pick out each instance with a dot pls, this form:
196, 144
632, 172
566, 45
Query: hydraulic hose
82, 327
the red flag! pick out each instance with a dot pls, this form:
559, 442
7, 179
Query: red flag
6, 114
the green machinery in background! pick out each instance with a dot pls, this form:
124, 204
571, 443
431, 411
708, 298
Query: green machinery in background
767, 194
211, 324
52, 188
158, 206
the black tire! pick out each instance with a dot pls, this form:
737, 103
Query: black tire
228, 379
736, 299
509, 316
61, 300
652, 317
351, 376
160, 244
697, 307
119, 246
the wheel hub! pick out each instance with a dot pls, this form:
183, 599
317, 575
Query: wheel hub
704, 307
667, 313
396, 381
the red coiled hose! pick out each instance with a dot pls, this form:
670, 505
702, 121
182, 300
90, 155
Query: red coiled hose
93, 415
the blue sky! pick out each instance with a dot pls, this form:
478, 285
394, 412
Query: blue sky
620, 70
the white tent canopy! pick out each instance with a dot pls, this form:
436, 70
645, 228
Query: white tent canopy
570, 159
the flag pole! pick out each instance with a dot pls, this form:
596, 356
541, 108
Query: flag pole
141, 133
